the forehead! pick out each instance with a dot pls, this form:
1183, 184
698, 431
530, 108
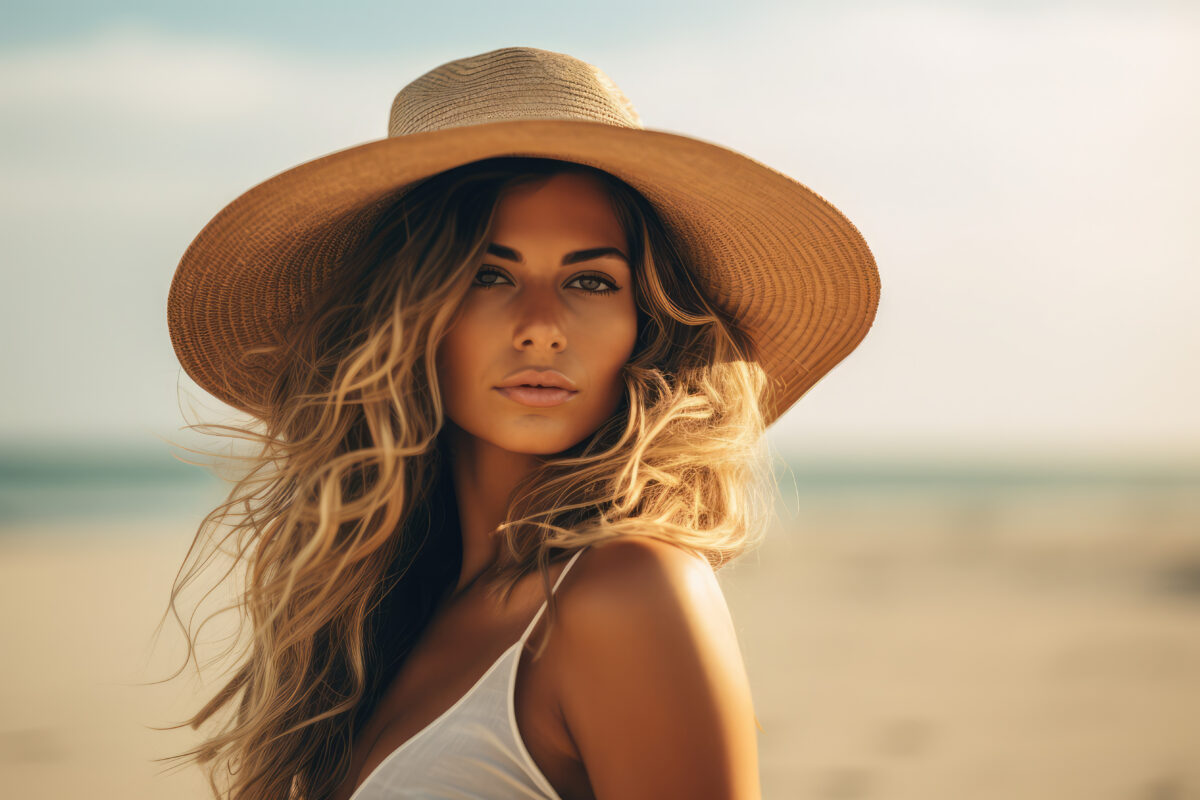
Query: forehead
565, 204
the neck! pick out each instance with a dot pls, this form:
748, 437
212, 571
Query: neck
484, 477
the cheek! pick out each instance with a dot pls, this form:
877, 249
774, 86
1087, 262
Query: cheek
610, 342
457, 357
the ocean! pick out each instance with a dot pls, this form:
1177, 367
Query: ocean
59, 483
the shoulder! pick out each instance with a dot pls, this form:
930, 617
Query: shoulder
653, 688
638, 569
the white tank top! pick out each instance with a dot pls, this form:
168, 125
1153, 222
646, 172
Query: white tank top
473, 749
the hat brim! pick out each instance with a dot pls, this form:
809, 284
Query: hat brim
792, 269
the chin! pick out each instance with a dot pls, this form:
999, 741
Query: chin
535, 442
526, 433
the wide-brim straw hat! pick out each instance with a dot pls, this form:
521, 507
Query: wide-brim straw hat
792, 270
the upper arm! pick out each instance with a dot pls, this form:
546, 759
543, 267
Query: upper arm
653, 688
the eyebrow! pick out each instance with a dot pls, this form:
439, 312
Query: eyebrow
570, 258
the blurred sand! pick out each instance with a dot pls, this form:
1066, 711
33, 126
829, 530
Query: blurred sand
897, 648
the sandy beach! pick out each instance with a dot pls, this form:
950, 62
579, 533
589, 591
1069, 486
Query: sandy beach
897, 648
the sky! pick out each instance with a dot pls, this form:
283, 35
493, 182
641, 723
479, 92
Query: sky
1025, 174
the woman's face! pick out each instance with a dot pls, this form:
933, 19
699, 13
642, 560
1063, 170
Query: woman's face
537, 301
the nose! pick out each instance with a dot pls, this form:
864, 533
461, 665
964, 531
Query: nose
539, 326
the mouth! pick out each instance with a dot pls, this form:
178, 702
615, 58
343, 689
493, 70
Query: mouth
536, 396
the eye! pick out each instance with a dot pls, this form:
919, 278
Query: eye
596, 279
589, 281
486, 271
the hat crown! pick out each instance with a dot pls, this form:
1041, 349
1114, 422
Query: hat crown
509, 84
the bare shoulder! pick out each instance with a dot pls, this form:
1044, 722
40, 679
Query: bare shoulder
653, 688
631, 573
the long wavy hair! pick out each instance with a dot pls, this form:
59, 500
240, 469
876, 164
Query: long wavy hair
343, 516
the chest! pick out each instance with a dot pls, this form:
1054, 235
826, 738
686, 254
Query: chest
445, 665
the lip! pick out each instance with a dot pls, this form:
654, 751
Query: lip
538, 398
544, 376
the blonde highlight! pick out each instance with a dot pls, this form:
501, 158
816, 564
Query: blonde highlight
343, 515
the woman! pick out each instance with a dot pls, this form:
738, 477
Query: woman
521, 336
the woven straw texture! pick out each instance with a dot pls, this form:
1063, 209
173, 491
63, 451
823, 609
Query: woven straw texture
789, 266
